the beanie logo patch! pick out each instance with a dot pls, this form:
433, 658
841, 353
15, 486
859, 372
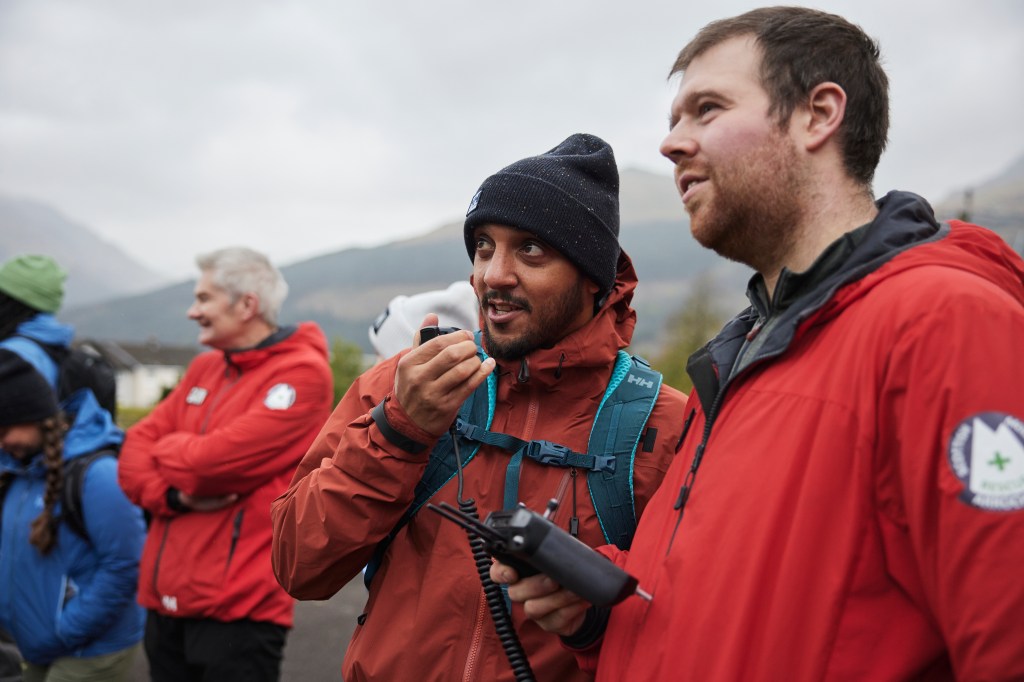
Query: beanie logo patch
280, 397
196, 395
473, 203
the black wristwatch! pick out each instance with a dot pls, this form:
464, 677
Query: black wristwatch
411, 446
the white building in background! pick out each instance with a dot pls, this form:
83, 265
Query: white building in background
145, 371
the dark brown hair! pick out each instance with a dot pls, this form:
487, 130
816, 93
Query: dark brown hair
802, 48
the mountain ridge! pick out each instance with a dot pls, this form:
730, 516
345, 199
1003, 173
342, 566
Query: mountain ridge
97, 270
344, 290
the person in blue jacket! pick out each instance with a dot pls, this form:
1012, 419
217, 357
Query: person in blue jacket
67, 600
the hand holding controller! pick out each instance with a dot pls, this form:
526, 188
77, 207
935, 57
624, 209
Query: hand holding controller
531, 544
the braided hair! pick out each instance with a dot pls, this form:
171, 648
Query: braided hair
44, 528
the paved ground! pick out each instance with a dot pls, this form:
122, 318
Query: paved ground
316, 644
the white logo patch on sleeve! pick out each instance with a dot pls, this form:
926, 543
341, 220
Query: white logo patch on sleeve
986, 452
196, 395
280, 397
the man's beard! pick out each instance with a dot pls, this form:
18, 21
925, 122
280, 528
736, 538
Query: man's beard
755, 212
547, 325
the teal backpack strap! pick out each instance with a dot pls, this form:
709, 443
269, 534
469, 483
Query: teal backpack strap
441, 467
614, 438
617, 431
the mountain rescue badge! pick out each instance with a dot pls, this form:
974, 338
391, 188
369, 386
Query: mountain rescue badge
986, 452
280, 397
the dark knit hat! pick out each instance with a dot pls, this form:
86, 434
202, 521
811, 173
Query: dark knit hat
569, 197
37, 281
26, 396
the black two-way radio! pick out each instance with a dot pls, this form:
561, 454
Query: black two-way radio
530, 543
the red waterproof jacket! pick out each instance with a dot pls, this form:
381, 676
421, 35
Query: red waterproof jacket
856, 507
237, 422
426, 616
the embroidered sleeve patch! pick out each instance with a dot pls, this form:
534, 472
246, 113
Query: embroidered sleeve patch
986, 452
196, 395
280, 397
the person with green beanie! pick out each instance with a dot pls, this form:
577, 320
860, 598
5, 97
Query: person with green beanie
36, 281
31, 292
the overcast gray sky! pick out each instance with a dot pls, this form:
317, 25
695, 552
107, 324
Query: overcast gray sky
299, 128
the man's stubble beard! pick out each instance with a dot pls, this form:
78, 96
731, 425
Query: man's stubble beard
755, 214
551, 324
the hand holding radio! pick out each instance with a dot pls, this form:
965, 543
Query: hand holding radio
437, 375
432, 331
531, 544
554, 608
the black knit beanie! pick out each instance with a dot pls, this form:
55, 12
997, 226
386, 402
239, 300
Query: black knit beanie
569, 197
25, 395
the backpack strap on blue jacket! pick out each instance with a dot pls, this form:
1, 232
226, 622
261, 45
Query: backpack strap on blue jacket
72, 511
617, 431
441, 467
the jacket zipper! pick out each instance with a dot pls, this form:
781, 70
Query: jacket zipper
220, 394
687, 488
159, 557
62, 598
236, 532
532, 410
478, 633
698, 456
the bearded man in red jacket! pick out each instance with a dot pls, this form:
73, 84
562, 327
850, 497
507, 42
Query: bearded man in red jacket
554, 289
207, 462
848, 501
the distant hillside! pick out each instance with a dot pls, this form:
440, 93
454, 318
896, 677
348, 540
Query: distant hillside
997, 204
344, 291
97, 270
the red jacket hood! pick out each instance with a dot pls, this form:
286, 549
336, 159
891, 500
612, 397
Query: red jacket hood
284, 340
966, 247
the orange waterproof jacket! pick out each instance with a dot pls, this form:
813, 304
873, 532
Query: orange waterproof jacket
858, 508
426, 616
237, 422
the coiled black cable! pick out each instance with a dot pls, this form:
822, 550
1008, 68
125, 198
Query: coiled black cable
492, 591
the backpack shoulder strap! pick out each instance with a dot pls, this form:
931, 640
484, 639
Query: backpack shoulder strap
618, 427
74, 484
441, 466
56, 352
45, 357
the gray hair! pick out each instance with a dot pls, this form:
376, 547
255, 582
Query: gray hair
240, 270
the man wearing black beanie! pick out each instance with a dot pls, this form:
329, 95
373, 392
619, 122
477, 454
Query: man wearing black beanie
554, 289
569, 197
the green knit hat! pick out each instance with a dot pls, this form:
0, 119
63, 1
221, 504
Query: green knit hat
36, 281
